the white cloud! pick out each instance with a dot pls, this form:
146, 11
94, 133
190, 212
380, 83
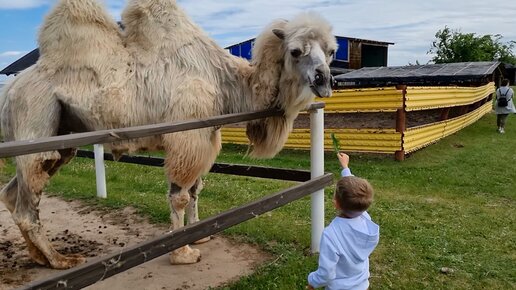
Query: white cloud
410, 24
12, 53
22, 4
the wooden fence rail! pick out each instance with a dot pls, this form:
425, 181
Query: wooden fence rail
15, 148
223, 168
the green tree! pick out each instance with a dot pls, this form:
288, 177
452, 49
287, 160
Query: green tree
455, 46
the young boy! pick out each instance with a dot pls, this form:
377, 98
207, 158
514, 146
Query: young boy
349, 239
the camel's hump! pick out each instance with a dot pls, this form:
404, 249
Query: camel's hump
78, 27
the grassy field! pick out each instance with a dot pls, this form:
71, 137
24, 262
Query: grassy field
449, 205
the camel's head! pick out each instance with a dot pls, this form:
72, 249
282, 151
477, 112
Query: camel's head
309, 48
292, 58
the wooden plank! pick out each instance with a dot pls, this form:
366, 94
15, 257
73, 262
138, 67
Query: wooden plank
104, 267
261, 172
445, 112
399, 155
17, 148
401, 120
223, 168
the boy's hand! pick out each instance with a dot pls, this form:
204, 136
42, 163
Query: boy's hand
309, 287
344, 159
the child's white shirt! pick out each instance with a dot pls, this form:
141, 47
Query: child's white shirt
344, 252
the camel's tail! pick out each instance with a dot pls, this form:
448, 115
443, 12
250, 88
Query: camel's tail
78, 33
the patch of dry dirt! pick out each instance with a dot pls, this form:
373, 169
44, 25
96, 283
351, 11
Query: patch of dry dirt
75, 229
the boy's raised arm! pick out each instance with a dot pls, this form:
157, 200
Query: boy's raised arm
344, 162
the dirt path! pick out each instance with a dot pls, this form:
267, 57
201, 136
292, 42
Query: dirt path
74, 228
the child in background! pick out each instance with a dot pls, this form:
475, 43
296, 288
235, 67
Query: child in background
349, 239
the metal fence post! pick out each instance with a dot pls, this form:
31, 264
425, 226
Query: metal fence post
100, 170
317, 169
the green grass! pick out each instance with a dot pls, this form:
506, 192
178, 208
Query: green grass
449, 205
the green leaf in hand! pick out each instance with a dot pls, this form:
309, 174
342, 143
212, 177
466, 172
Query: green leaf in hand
336, 145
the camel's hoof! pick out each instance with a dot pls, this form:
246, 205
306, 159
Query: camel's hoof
38, 257
185, 255
67, 262
203, 240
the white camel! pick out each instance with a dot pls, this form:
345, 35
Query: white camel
161, 68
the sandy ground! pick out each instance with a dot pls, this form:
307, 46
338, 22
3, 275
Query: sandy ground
76, 229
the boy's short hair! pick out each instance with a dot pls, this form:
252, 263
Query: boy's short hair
505, 82
354, 194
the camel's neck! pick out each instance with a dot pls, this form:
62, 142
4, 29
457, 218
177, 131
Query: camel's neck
261, 81
268, 84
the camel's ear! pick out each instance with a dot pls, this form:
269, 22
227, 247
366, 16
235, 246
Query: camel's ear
279, 33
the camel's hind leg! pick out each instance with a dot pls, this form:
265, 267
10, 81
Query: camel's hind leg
190, 154
32, 174
8, 196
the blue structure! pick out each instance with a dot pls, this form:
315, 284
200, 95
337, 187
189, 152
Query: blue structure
342, 53
353, 53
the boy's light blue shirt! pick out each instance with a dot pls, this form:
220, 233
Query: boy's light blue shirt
344, 253
346, 172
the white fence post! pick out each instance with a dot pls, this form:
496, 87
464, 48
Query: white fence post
100, 170
317, 169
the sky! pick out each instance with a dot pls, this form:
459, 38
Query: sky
410, 24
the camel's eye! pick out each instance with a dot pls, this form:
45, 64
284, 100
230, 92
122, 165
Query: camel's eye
296, 52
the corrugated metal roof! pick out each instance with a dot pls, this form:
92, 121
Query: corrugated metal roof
420, 74
22, 63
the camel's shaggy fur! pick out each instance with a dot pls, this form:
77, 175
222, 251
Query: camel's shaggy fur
161, 68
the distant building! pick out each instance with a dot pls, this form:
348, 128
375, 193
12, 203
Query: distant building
353, 53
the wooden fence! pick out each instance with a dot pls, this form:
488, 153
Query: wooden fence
104, 267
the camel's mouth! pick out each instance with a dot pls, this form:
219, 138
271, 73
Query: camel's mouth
315, 91
321, 91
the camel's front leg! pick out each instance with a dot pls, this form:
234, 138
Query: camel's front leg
179, 199
192, 210
190, 155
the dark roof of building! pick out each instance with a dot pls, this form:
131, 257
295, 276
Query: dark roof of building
429, 74
350, 38
22, 63
335, 71
368, 41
